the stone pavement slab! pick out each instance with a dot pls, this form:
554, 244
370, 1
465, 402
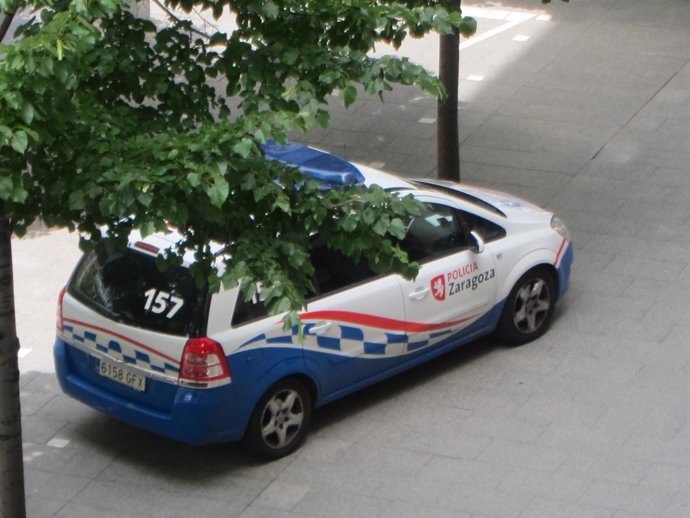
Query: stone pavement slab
583, 107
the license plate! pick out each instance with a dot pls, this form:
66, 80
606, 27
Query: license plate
121, 375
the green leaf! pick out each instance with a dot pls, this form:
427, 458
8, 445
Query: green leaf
281, 305
19, 194
349, 224
20, 142
76, 200
6, 187
323, 118
468, 27
292, 320
244, 148
282, 203
194, 179
218, 191
397, 228
270, 9
348, 95
27, 113
222, 167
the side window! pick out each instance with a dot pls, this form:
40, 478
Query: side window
333, 271
248, 310
488, 230
436, 232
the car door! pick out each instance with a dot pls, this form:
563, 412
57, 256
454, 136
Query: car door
456, 284
354, 326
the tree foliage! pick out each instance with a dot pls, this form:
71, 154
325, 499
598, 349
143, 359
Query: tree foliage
107, 120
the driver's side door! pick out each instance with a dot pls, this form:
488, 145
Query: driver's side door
456, 284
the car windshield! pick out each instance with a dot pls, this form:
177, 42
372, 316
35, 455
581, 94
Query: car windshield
455, 193
129, 287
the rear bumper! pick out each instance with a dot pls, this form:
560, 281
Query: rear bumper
193, 416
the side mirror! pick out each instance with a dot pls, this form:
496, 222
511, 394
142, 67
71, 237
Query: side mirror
476, 242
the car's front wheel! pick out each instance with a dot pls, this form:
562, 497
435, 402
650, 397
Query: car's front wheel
529, 307
280, 420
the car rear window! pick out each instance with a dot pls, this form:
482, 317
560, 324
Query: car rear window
128, 287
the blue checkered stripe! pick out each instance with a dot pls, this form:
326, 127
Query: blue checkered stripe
352, 341
118, 349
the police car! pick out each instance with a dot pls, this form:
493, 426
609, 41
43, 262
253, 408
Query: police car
151, 349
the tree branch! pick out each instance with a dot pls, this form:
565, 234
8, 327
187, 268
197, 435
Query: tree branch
172, 16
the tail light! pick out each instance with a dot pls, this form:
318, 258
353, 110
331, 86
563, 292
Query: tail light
60, 323
204, 364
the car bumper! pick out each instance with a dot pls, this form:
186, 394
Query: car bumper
564, 268
193, 416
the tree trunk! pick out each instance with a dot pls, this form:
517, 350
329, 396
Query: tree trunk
447, 137
5, 22
11, 459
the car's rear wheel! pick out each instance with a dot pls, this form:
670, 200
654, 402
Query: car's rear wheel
529, 307
280, 420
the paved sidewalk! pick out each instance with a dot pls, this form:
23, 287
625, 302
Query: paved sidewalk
583, 107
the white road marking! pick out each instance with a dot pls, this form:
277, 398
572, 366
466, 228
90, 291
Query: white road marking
58, 442
514, 19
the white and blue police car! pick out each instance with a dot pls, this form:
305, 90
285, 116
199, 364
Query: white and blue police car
150, 348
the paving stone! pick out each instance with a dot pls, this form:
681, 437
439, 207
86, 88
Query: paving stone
489, 503
449, 442
516, 454
38, 506
256, 510
54, 486
156, 502
560, 411
88, 511
546, 484
679, 506
628, 498
580, 438
604, 468
541, 507
395, 509
339, 504
282, 496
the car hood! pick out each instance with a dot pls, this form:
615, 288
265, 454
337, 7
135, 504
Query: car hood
507, 203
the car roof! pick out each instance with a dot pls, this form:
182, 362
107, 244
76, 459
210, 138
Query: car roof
386, 181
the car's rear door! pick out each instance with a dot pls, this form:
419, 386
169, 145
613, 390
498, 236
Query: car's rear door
354, 326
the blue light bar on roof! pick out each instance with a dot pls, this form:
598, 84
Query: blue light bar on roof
330, 170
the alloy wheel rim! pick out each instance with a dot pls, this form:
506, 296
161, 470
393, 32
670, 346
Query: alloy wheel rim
532, 305
282, 418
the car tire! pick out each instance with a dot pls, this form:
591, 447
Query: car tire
280, 420
529, 307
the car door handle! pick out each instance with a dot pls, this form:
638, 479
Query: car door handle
418, 294
320, 328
